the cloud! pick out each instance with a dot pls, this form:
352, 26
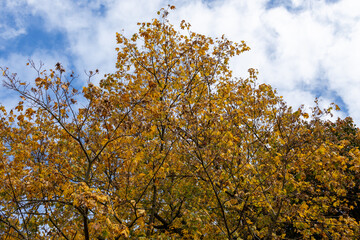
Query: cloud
91, 27
300, 47
11, 25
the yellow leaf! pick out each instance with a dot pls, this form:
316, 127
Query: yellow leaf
125, 232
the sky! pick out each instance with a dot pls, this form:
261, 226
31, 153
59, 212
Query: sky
305, 49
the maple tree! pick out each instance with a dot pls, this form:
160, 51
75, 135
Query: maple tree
172, 146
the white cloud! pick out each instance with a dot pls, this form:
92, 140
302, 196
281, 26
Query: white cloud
296, 47
11, 25
92, 35
10, 32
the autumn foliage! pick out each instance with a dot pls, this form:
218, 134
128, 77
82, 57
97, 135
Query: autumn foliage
172, 146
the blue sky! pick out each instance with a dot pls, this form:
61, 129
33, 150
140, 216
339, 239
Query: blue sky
303, 48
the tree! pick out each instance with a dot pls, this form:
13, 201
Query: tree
170, 146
